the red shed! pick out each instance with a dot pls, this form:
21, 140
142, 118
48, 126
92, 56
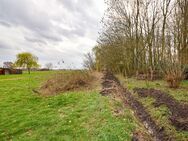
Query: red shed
7, 71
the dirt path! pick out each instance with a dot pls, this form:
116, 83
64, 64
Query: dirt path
112, 85
179, 116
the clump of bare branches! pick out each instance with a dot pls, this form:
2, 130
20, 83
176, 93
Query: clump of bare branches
173, 73
89, 61
66, 81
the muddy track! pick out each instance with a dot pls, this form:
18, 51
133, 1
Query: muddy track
112, 85
179, 111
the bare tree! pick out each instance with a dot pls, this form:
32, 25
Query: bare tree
49, 66
8, 65
89, 61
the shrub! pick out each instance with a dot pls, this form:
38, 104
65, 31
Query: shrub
89, 61
66, 81
173, 79
173, 74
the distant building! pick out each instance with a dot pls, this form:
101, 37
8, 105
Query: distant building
7, 71
44, 69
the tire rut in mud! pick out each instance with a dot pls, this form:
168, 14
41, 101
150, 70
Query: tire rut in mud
179, 111
111, 84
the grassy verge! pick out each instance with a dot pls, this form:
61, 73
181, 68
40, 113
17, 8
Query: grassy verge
162, 113
180, 94
81, 115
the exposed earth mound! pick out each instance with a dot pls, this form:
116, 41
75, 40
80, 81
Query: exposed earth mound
66, 81
179, 111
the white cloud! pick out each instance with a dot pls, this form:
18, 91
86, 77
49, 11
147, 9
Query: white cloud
53, 30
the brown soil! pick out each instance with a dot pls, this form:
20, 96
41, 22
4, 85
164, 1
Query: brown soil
139, 136
179, 111
112, 85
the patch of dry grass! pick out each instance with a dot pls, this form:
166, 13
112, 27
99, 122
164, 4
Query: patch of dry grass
62, 82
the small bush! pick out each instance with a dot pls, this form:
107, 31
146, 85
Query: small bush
66, 81
173, 79
173, 74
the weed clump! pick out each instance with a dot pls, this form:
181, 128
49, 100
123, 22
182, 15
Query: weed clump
66, 81
173, 74
174, 78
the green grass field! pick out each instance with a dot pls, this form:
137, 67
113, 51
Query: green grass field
71, 116
162, 113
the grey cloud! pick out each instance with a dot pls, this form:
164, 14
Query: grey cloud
70, 4
42, 33
5, 46
51, 37
7, 52
85, 15
35, 40
22, 13
5, 24
79, 32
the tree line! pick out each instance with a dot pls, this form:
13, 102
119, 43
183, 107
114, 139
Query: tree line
138, 35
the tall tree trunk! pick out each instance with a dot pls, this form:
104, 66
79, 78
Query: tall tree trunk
29, 70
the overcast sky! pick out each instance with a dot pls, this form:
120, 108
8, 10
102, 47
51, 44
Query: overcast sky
51, 29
